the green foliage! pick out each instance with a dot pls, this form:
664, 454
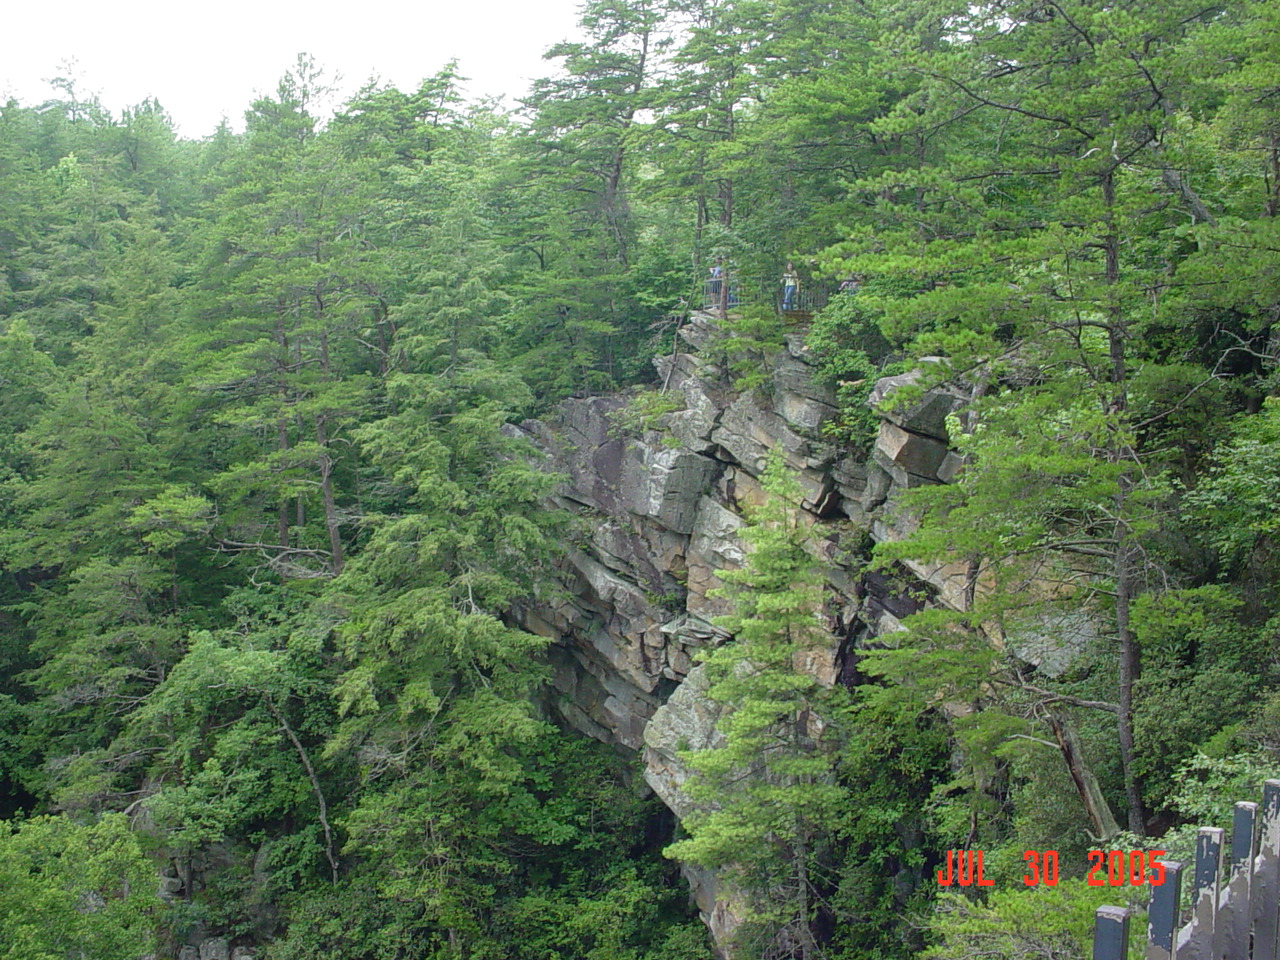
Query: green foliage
1021, 238
1014, 921
18, 753
621, 919
1181, 714
27, 374
73, 888
535, 862
1209, 787
850, 349
1013, 924
1236, 502
888, 767
644, 411
754, 335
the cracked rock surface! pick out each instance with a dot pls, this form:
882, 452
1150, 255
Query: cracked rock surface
659, 512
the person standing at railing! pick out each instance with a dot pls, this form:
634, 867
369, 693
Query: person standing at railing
790, 284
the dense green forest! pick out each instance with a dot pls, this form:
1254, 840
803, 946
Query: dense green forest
263, 525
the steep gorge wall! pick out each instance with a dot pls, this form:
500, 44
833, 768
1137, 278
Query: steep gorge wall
658, 514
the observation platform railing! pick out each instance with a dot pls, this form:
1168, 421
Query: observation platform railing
721, 295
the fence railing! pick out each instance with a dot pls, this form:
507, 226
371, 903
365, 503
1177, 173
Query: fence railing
1235, 906
730, 291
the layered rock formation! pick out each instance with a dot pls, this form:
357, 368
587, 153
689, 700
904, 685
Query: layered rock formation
660, 508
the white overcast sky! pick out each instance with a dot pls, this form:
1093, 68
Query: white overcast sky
205, 61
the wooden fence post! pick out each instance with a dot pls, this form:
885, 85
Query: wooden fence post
1197, 940
1162, 913
1111, 933
1265, 889
1208, 862
1231, 937
1244, 834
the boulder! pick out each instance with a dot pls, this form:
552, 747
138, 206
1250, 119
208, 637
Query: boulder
619, 476
926, 415
1055, 641
718, 906
687, 721
693, 631
799, 397
703, 402
596, 700
623, 548
713, 546
700, 329
909, 458
664, 484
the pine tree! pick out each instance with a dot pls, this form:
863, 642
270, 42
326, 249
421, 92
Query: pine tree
273, 343
768, 791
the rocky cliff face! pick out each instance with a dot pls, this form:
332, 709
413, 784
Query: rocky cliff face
660, 510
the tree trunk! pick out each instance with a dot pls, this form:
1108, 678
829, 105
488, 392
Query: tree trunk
282, 425
802, 893
1129, 671
1272, 205
326, 496
282, 514
1123, 564
616, 208
1095, 804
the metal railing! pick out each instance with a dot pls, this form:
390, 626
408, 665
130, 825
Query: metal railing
1235, 907
722, 294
